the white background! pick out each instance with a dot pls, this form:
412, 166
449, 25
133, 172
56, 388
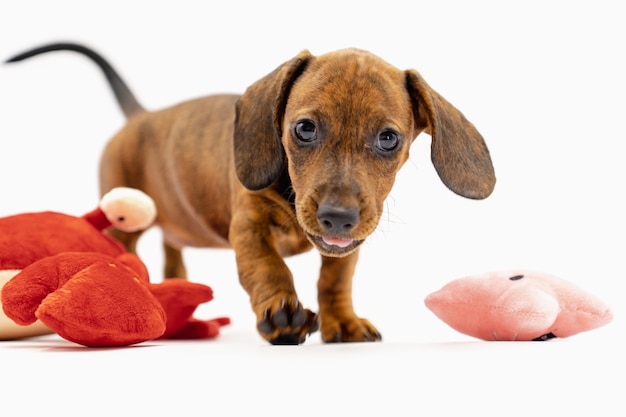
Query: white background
543, 81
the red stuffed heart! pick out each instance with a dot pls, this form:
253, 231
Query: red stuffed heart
98, 301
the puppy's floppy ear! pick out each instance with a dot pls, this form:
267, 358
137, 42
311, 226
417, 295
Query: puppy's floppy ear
458, 151
259, 154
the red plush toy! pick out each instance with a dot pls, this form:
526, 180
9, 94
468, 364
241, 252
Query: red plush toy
517, 305
61, 273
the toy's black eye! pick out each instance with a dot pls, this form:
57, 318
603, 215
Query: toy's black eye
305, 131
388, 140
516, 277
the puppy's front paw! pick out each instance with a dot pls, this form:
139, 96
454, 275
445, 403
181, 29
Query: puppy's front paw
287, 323
353, 329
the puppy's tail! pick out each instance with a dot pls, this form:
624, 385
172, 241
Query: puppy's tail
124, 96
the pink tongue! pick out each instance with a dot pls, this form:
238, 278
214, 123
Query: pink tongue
335, 241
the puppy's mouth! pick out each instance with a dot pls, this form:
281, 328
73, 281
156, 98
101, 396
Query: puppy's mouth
334, 245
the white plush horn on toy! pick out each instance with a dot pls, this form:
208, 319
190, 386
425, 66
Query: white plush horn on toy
128, 209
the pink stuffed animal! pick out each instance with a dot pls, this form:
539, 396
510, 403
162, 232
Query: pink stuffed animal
517, 306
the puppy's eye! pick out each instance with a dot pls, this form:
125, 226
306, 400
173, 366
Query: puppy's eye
305, 131
388, 140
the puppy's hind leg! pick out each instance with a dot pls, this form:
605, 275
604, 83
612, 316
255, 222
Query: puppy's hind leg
129, 240
174, 264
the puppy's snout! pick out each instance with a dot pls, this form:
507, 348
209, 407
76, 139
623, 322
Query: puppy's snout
337, 220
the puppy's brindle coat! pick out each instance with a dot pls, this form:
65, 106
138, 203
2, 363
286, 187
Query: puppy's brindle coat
304, 158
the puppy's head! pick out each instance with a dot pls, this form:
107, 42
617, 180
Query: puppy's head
342, 125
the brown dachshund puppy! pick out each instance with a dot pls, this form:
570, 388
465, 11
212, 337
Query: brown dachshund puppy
304, 158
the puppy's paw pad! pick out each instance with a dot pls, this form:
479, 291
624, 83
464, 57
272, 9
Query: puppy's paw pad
289, 324
356, 330
288, 339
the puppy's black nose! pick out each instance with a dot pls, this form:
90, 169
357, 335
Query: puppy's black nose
337, 220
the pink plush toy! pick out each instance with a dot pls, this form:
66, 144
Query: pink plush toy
517, 306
